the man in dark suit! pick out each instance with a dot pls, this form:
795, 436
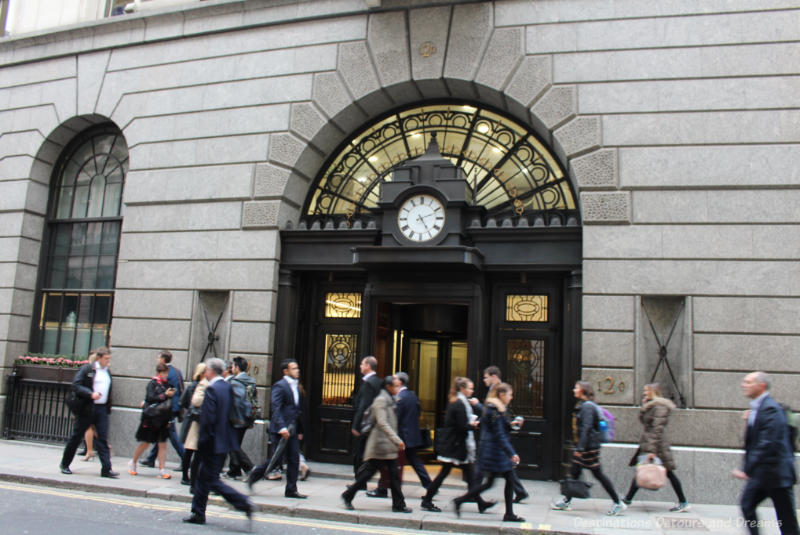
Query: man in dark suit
92, 385
369, 388
768, 459
217, 438
408, 410
286, 404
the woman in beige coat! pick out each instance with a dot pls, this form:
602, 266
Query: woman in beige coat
191, 459
652, 443
382, 446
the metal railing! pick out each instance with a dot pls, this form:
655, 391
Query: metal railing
36, 410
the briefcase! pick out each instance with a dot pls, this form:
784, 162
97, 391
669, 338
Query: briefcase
575, 488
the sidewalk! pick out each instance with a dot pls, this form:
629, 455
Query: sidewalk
31, 463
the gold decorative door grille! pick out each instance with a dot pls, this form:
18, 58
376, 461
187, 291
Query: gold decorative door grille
525, 365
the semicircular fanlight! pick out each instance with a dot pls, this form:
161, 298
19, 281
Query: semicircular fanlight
508, 169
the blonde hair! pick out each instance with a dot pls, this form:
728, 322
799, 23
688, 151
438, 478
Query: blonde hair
199, 371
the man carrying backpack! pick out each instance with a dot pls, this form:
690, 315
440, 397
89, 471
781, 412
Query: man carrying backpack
243, 387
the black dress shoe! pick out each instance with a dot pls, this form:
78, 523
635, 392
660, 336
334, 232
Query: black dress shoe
512, 518
378, 493
402, 509
457, 507
485, 505
520, 497
145, 462
82, 453
194, 519
295, 494
348, 504
430, 506
65, 469
110, 474
187, 482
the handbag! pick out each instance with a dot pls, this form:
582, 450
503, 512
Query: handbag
75, 404
651, 474
425, 438
158, 411
575, 488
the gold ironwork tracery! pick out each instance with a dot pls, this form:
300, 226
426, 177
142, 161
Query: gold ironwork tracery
527, 308
343, 305
508, 169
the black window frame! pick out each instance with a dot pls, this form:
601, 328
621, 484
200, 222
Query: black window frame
84, 295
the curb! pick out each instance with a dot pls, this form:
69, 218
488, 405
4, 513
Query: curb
371, 518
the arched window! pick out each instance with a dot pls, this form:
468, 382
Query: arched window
84, 220
510, 171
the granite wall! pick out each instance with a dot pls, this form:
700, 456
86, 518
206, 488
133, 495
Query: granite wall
677, 120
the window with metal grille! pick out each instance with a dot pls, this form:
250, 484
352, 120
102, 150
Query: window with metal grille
84, 221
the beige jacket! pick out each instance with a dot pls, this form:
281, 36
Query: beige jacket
383, 440
197, 401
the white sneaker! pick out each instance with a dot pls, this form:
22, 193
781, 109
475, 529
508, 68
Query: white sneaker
682, 507
561, 505
616, 509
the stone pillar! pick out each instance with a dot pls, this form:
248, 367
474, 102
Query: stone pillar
571, 370
285, 323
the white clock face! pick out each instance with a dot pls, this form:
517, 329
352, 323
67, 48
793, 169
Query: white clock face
421, 218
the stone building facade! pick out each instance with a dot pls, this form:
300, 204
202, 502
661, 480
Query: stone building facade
677, 123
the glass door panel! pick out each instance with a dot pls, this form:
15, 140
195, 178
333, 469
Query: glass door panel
424, 365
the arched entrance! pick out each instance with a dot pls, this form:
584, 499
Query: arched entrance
441, 238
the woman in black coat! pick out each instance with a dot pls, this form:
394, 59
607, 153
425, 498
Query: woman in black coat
456, 445
154, 430
496, 456
587, 446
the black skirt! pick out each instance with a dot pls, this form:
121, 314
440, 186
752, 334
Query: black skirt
147, 432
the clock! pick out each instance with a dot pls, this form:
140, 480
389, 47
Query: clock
421, 217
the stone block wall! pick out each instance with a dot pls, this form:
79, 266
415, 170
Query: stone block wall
676, 120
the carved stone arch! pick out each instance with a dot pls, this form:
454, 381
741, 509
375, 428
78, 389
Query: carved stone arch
400, 62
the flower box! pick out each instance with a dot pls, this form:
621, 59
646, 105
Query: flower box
52, 374
50, 368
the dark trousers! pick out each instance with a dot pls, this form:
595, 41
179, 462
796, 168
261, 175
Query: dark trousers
208, 481
599, 476
508, 492
191, 461
239, 460
173, 439
782, 499
292, 456
410, 455
673, 479
469, 476
365, 473
359, 444
519, 490
96, 415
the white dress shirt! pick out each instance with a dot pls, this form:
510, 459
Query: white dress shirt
102, 383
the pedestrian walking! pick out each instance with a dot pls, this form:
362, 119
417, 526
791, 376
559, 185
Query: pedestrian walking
491, 378
366, 393
586, 435
240, 382
88, 452
496, 456
217, 438
457, 445
92, 386
175, 380
653, 443
286, 424
768, 469
408, 411
381, 448
195, 393
153, 429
